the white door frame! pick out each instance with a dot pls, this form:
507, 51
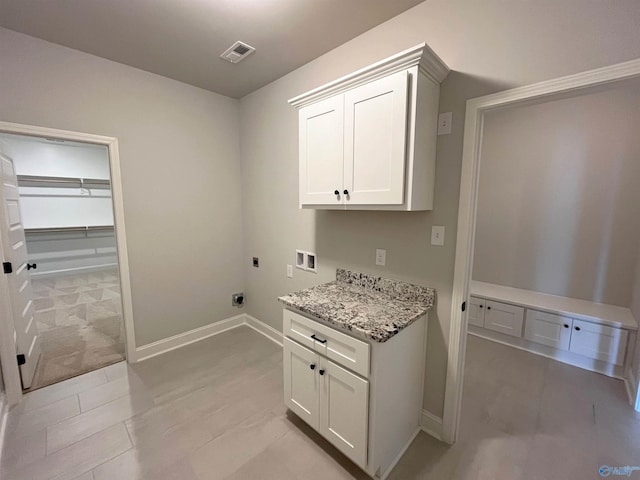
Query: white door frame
473, 129
10, 371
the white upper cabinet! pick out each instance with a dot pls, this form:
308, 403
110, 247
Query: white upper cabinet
367, 141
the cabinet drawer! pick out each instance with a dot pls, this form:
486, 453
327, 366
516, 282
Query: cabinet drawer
339, 347
476, 311
504, 318
548, 329
598, 341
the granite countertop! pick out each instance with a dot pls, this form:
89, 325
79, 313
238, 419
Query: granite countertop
371, 307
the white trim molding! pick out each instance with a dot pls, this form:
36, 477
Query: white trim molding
420, 55
4, 415
180, 340
474, 120
266, 330
12, 381
431, 424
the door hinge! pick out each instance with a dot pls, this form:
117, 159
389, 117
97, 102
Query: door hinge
464, 306
21, 359
7, 267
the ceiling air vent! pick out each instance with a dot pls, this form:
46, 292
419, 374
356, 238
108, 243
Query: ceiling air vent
238, 51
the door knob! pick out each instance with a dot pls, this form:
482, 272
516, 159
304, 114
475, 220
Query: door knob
321, 371
31, 265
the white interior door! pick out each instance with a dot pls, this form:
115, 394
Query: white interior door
14, 252
322, 152
375, 129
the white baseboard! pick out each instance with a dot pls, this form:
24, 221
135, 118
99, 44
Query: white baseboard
266, 330
177, 341
631, 383
4, 413
183, 339
431, 424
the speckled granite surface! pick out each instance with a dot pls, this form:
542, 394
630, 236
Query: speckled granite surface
372, 307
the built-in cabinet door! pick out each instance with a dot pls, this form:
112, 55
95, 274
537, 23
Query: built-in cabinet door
321, 144
476, 311
504, 318
301, 382
598, 341
375, 129
344, 410
548, 329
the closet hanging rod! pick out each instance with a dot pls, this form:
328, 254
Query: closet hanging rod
62, 182
85, 230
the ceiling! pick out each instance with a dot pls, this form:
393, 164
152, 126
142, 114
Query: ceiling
182, 39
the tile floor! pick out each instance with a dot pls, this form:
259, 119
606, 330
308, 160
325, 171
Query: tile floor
214, 410
79, 318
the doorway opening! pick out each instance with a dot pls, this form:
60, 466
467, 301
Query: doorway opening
69, 305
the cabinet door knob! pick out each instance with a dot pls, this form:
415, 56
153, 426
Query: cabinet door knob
566, 325
577, 328
336, 192
481, 306
321, 371
346, 192
488, 308
312, 366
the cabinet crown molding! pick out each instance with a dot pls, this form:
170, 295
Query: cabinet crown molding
426, 59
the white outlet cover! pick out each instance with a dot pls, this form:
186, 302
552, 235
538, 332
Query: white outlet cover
290, 271
381, 257
437, 235
444, 123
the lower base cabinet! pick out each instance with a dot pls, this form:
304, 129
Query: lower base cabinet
329, 398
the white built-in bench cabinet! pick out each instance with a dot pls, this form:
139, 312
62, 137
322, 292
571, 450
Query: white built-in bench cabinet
589, 335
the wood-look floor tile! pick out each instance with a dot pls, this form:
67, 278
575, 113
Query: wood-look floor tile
19, 451
77, 459
81, 426
25, 423
108, 392
161, 464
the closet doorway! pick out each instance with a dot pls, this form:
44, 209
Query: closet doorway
66, 288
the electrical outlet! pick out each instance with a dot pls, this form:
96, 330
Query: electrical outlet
256, 262
444, 123
290, 271
381, 257
437, 235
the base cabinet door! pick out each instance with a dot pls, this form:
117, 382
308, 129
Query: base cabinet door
301, 381
504, 318
344, 412
548, 329
599, 342
476, 311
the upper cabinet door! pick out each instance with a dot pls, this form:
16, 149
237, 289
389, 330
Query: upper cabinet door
322, 152
375, 141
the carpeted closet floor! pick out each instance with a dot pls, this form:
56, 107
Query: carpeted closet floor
79, 318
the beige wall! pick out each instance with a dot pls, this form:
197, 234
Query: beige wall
275, 227
179, 152
558, 199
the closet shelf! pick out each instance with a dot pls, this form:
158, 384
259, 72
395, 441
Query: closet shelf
62, 182
80, 229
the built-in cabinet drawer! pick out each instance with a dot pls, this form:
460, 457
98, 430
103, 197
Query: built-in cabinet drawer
598, 341
332, 400
548, 329
339, 347
476, 311
504, 318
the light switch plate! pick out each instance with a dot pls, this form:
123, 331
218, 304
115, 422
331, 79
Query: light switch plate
381, 257
290, 271
444, 123
437, 235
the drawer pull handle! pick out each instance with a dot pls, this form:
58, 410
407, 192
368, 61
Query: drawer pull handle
312, 366
317, 339
321, 371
